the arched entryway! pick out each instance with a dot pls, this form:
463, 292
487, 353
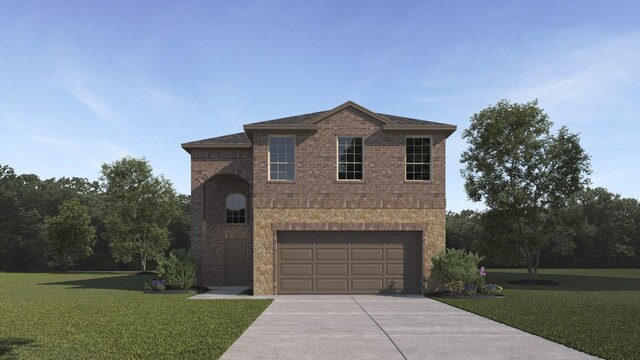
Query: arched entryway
225, 249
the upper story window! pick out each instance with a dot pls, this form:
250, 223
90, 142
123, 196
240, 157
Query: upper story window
350, 158
418, 158
282, 157
236, 209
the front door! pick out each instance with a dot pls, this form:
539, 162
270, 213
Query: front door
235, 262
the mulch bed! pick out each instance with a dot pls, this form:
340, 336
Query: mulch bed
533, 282
193, 290
450, 295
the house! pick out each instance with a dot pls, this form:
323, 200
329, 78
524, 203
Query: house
344, 201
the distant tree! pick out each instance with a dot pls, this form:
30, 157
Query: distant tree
180, 224
23, 244
71, 233
523, 174
615, 239
464, 230
138, 208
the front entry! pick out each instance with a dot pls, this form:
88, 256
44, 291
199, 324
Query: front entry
235, 262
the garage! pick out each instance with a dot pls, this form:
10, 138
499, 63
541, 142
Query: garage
349, 262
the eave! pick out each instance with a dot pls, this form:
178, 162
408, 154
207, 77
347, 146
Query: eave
448, 129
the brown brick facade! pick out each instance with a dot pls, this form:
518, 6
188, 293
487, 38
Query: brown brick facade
316, 200
215, 174
383, 186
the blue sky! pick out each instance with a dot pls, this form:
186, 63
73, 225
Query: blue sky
87, 82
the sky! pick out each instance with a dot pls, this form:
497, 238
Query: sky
84, 83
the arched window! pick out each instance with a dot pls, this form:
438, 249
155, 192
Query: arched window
236, 209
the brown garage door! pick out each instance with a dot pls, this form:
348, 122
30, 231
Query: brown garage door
363, 262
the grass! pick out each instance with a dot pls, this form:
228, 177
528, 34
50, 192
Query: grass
101, 315
593, 310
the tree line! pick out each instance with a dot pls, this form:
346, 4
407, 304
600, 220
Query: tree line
599, 229
540, 210
121, 222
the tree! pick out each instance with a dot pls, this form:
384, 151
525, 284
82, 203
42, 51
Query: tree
23, 244
464, 230
138, 208
523, 174
70, 232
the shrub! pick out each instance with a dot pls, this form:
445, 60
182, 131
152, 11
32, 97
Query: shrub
178, 269
456, 270
492, 290
155, 284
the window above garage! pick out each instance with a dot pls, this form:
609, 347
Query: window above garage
282, 157
350, 162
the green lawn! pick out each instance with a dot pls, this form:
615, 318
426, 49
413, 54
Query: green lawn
593, 310
106, 315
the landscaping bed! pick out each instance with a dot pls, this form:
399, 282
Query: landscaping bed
449, 295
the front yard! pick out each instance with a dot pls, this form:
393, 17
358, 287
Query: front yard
105, 315
593, 310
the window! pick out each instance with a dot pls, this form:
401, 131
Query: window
282, 157
349, 158
236, 209
418, 158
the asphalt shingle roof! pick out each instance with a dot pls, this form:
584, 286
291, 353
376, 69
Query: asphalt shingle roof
304, 119
238, 138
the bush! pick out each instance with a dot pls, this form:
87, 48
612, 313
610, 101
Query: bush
492, 290
155, 284
178, 269
457, 270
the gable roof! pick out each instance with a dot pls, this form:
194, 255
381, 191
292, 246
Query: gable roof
309, 122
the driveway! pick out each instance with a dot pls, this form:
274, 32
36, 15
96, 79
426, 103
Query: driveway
384, 327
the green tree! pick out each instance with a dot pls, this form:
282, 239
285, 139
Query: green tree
71, 233
464, 230
523, 174
138, 208
23, 244
615, 239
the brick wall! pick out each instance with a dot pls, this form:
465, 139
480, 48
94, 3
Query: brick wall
315, 184
215, 174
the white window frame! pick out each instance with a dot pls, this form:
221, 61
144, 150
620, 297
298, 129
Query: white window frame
404, 168
269, 157
338, 157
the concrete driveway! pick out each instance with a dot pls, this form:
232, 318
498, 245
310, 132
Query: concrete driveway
384, 327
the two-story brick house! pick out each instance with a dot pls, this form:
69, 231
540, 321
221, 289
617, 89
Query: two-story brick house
339, 201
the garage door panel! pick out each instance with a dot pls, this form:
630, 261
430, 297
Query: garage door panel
294, 285
331, 254
332, 269
339, 285
366, 254
363, 262
395, 269
366, 284
296, 269
400, 283
366, 269
296, 254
